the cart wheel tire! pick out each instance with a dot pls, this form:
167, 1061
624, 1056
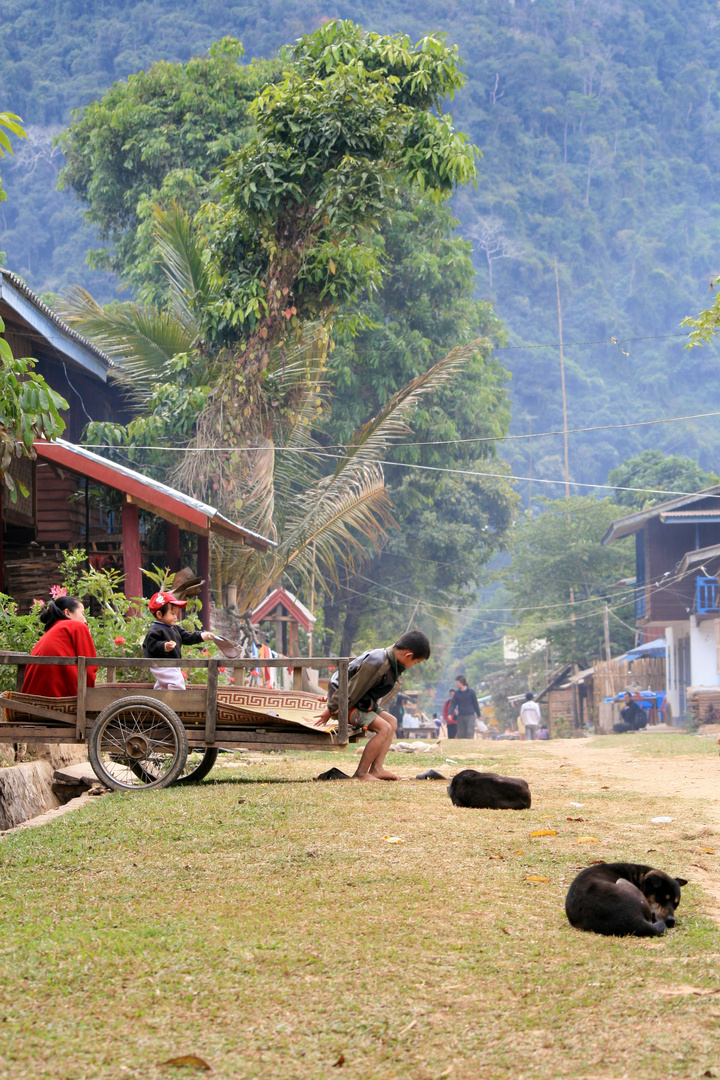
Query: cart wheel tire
203, 767
137, 744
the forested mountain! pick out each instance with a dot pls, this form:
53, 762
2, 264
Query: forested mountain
600, 133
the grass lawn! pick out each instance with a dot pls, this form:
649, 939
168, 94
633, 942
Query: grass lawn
263, 923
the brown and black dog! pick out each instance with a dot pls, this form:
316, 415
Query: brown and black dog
623, 898
489, 791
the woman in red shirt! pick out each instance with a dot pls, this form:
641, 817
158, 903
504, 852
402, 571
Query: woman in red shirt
66, 634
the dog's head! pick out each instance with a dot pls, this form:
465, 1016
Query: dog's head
663, 895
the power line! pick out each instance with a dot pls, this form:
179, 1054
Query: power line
599, 341
421, 442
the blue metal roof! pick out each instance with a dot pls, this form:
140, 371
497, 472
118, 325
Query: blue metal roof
28, 306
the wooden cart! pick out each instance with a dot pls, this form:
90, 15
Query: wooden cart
139, 738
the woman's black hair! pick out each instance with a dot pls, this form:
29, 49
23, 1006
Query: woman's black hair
54, 611
415, 642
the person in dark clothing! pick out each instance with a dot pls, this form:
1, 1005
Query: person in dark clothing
633, 715
372, 678
164, 638
465, 707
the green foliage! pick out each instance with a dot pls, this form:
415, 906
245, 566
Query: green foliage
556, 553
12, 123
449, 525
157, 138
706, 324
291, 238
28, 410
659, 473
598, 125
116, 625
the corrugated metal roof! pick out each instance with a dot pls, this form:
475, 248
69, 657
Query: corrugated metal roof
696, 558
13, 288
150, 494
632, 523
684, 515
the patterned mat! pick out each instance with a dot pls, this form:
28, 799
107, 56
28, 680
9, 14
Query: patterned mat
239, 706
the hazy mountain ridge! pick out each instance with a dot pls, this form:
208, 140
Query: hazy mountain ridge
599, 128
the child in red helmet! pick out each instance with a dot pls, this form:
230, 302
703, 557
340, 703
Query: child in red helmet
164, 638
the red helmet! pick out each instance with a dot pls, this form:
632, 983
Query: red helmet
160, 599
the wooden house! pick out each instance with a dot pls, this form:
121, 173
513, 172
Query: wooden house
77, 498
677, 596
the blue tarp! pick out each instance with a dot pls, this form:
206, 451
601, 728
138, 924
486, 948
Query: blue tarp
651, 648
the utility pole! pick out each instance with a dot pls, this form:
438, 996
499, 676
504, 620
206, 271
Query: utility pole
608, 657
562, 378
530, 480
606, 624
565, 425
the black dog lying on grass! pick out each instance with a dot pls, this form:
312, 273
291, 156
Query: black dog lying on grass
489, 791
623, 898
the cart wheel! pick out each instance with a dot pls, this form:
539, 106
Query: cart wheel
198, 765
137, 743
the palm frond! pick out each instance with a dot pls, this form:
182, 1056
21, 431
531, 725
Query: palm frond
180, 250
391, 423
341, 522
142, 339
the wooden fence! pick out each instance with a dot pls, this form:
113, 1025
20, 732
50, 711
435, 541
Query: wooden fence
646, 673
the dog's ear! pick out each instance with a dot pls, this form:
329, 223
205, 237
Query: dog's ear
681, 881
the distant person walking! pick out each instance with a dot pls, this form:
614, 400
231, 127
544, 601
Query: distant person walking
465, 707
530, 715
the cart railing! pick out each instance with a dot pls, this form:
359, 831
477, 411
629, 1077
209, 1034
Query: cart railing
213, 665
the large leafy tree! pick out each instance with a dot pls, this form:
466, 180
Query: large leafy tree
293, 235
449, 524
158, 137
653, 477
561, 577
332, 218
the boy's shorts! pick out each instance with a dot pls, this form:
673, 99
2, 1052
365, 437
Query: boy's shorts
362, 718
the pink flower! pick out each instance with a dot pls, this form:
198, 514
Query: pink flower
38, 603
57, 590
120, 641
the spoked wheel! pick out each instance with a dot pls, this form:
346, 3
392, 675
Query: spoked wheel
198, 765
137, 743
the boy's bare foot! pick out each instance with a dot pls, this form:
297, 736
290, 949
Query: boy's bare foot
364, 776
383, 774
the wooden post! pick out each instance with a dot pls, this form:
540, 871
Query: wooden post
172, 533
81, 695
132, 557
342, 733
211, 701
297, 678
204, 572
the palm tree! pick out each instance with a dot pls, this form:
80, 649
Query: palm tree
325, 506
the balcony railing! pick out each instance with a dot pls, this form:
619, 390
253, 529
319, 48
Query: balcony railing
707, 595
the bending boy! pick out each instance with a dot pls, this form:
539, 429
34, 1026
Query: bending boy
372, 677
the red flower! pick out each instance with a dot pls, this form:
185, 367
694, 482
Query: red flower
221, 669
232, 678
120, 641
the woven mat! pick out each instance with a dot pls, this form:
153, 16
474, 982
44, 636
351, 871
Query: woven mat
241, 706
